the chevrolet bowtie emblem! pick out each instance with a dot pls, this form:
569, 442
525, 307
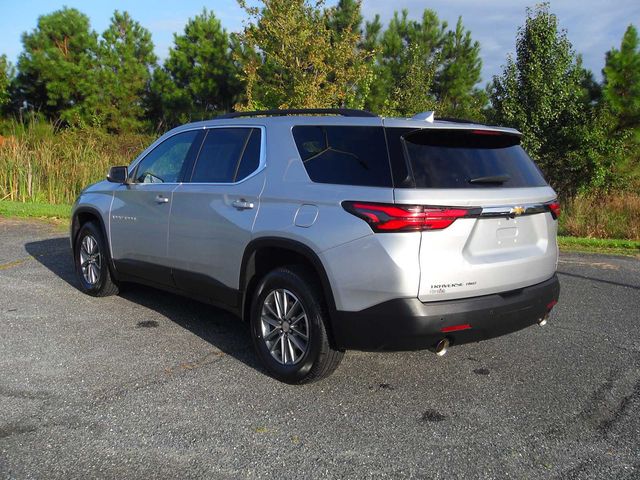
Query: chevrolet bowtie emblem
517, 210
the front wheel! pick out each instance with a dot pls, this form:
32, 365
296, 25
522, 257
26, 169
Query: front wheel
288, 327
92, 262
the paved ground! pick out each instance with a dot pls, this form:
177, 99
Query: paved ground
151, 385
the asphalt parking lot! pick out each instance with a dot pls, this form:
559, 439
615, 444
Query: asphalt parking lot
148, 384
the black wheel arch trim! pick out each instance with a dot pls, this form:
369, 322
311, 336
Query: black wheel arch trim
247, 269
75, 229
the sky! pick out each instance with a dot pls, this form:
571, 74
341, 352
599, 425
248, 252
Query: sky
593, 26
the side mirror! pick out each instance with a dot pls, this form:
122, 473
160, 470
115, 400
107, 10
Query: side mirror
118, 174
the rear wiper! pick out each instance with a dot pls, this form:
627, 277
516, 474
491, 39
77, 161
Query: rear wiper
491, 179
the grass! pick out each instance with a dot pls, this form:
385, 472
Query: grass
599, 245
10, 208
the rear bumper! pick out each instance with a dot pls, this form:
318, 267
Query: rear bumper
409, 324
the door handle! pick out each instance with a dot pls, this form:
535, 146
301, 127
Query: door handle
162, 199
242, 204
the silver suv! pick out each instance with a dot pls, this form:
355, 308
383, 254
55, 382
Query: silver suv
329, 230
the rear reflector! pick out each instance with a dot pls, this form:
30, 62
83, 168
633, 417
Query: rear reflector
555, 209
551, 304
405, 218
455, 328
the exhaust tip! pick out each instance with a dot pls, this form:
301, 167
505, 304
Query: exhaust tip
441, 347
543, 321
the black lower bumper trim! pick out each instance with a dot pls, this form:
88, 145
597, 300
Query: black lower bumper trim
409, 324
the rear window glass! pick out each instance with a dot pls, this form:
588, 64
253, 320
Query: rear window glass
462, 159
344, 155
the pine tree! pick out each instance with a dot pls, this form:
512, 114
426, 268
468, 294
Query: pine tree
126, 59
346, 15
622, 80
372, 34
199, 78
458, 75
395, 47
57, 67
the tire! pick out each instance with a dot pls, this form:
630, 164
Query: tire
91, 249
273, 326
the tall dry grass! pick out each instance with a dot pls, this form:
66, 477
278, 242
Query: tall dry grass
615, 215
40, 164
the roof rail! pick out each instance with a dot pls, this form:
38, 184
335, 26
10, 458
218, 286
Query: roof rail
345, 112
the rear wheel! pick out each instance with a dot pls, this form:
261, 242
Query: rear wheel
92, 262
288, 326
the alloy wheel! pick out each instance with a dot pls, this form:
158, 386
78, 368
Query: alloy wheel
285, 326
90, 260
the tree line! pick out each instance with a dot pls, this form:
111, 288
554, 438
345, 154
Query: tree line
302, 54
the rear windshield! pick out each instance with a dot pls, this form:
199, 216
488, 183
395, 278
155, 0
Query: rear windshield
460, 159
344, 155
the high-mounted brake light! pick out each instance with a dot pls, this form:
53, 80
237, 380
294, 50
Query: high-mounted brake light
404, 218
485, 132
555, 209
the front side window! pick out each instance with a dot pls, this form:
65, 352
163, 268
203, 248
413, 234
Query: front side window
164, 163
344, 155
228, 155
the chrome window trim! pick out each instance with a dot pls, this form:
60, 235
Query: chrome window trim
262, 164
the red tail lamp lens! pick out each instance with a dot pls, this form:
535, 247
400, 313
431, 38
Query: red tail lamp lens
551, 304
404, 218
555, 209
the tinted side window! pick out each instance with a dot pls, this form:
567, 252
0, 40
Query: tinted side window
221, 154
251, 158
165, 162
344, 155
401, 175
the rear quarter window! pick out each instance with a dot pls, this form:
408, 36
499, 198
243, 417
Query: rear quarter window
461, 159
344, 155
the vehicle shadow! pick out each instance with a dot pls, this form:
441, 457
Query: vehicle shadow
217, 327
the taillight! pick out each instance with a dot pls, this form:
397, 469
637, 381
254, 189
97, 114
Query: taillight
405, 218
554, 207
